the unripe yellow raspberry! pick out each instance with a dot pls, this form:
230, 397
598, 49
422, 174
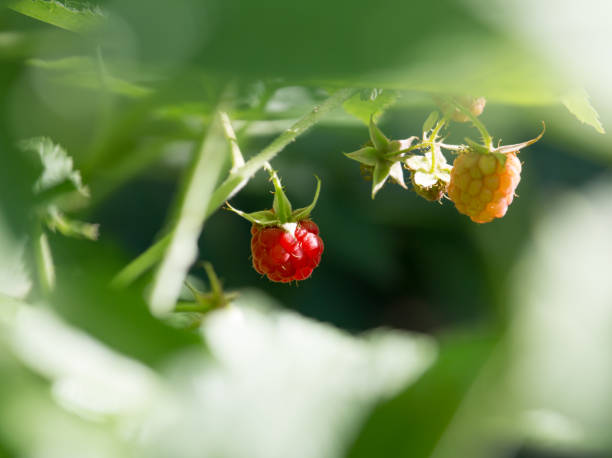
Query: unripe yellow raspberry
482, 184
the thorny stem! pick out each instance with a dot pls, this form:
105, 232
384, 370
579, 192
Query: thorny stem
235, 182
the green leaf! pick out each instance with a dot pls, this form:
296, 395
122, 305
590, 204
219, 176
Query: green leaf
373, 106
54, 12
379, 140
303, 213
578, 104
430, 121
58, 167
84, 72
367, 155
380, 175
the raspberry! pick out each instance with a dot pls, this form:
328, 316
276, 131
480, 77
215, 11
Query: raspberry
284, 256
482, 185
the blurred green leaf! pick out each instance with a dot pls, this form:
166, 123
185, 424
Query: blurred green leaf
80, 71
373, 106
411, 424
578, 104
57, 165
73, 16
15, 280
241, 399
430, 121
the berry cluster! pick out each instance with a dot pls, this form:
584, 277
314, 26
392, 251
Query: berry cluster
481, 181
284, 256
285, 243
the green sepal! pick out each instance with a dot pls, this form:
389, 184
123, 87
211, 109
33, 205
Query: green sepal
303, 213
367, 156
519, 146
380, 175
476, 146
206, 302
57, 221
263, 217
379, 140
281, 204
397, 174
430, 121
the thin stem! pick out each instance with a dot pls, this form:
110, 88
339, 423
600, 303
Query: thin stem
237, 159
44, 261
486, 137
236, 181
432, 143
191, 307
190, 214
393, 154
141, 264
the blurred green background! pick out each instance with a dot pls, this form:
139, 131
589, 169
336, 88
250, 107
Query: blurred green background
421, 334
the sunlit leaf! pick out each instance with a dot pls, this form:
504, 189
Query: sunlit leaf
62, 14
372, 106
578, 104
83, 72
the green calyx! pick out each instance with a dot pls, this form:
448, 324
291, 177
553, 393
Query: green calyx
381, 158
282, 213
216, 298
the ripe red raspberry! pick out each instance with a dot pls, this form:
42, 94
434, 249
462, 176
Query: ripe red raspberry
284, 256
482, 184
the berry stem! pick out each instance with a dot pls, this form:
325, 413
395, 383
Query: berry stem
432, 143
486, 137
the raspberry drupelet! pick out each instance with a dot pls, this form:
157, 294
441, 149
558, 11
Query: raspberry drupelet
284, 256
482, 185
